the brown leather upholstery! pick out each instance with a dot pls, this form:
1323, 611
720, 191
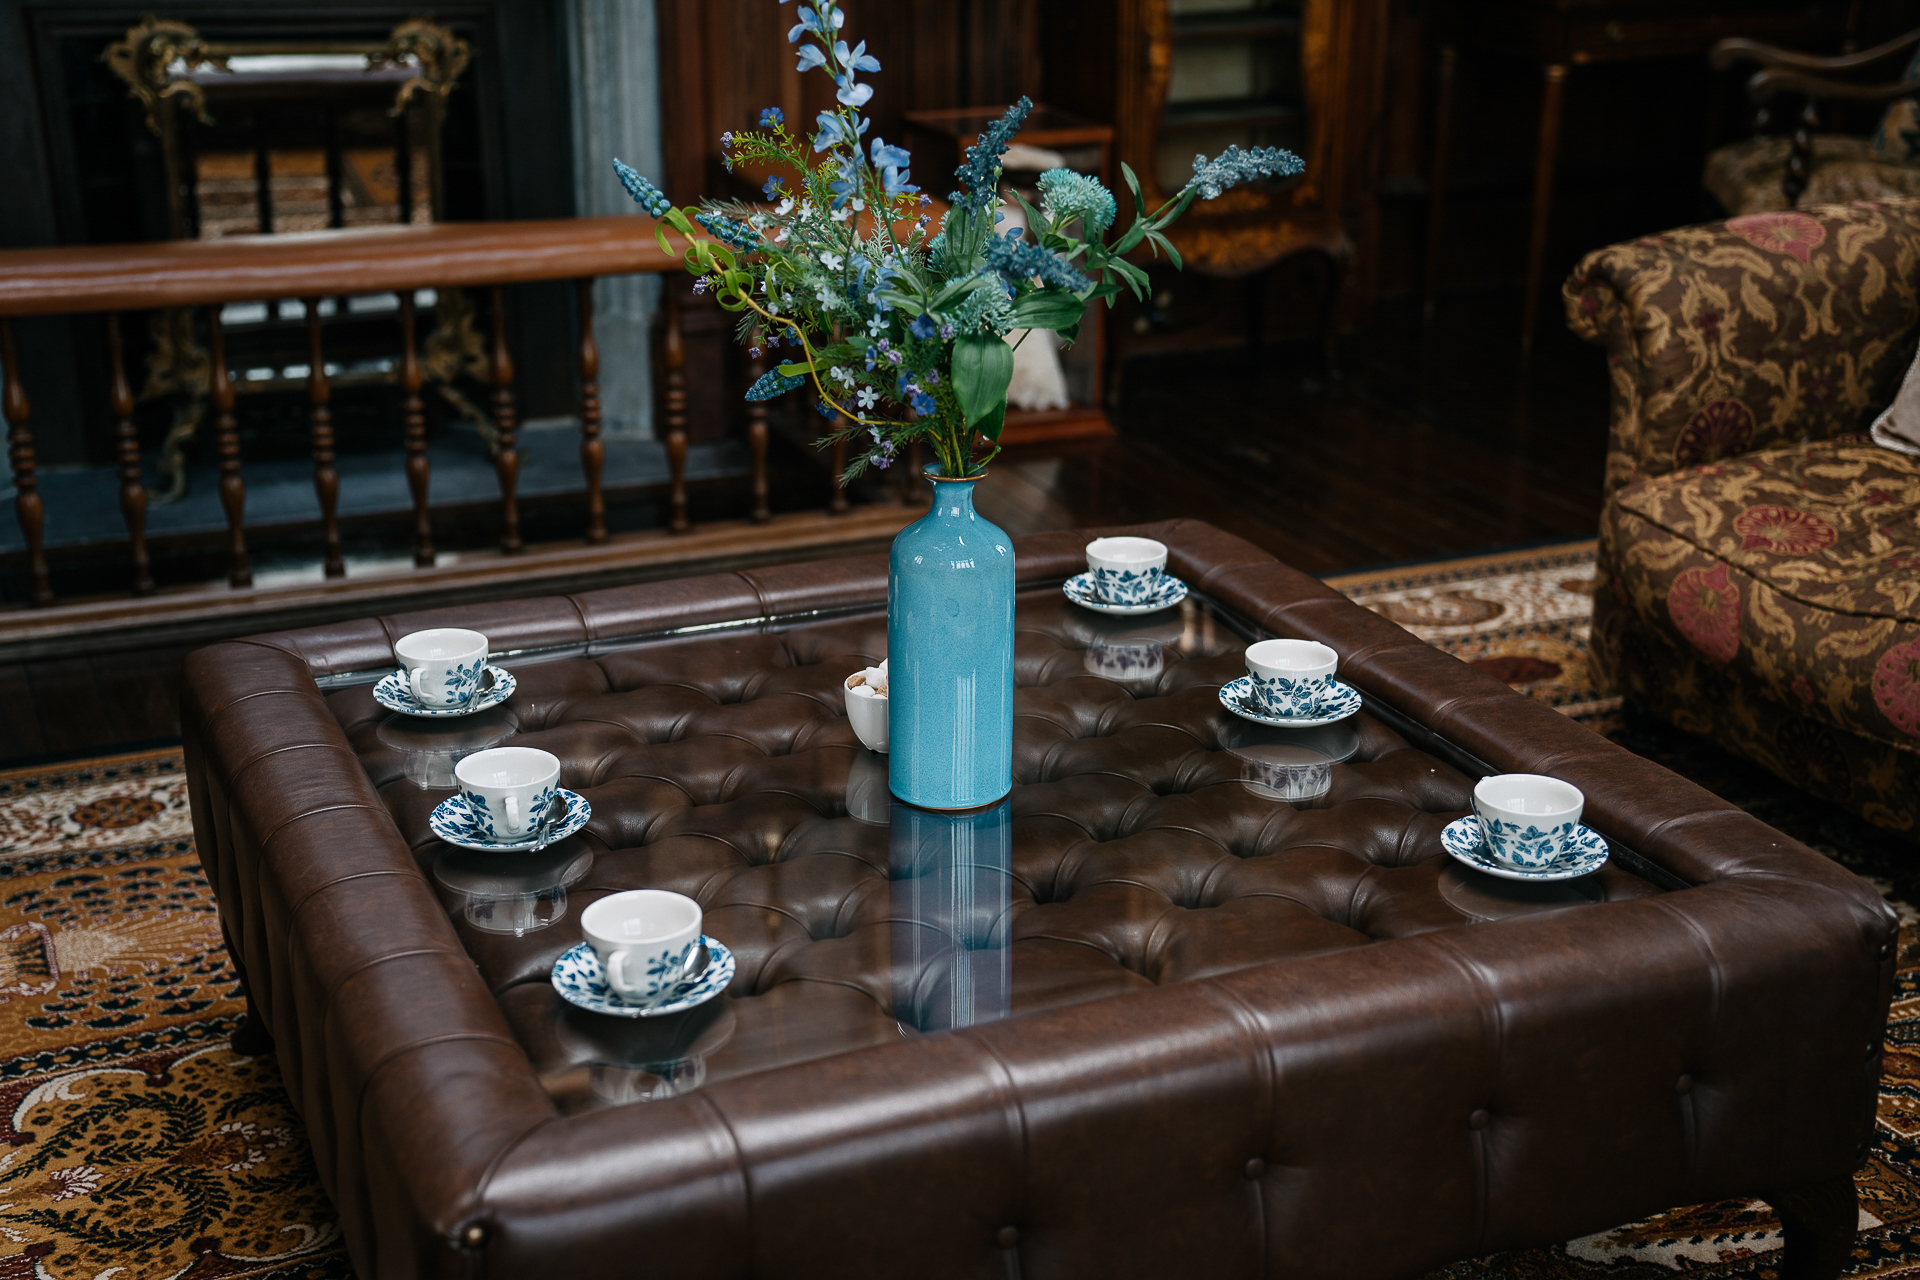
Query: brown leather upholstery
1310, 1063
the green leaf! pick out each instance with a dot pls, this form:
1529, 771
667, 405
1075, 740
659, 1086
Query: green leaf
1047, 309
795, 370
1036, 222
1133, 185
982, 371
991, 425
906, 303
1071, 333
1132, 238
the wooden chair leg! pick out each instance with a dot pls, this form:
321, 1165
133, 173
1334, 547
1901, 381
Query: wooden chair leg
1820, 1221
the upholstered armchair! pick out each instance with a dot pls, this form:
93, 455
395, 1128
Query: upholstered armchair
1759, 568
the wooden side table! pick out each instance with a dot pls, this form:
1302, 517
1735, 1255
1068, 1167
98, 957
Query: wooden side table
1562, 34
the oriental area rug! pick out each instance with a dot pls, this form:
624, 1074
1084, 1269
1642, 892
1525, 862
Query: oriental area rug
138, 1146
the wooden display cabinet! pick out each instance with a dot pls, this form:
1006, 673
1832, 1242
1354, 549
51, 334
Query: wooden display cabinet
1185, 77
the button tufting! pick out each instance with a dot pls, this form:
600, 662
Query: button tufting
1255, 1168
1684, 1085
1008, 1237
474, 1236
1478, 1120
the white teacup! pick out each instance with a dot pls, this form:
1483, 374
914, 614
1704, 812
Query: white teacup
443, 665
647, 941
1528, 820
1126, 570
1291, 677
509, 789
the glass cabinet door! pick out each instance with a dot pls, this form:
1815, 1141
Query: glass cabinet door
1233, 77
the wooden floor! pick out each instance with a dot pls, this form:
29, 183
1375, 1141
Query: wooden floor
1431, 442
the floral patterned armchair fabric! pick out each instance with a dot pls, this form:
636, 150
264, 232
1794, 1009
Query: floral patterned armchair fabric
1759, 570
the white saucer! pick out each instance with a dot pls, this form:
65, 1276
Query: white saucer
393, 694
579, 979
1079, 589
1237, 697
452, 820
1463, 840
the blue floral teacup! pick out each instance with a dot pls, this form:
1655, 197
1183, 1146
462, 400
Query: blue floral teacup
1127, 570
508, 790
1528, 820
443, 665
1291, 677
648, 941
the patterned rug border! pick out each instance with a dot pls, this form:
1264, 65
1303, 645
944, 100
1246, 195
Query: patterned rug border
93, 768
1440, 572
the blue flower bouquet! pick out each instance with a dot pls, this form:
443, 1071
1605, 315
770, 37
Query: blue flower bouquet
900, 325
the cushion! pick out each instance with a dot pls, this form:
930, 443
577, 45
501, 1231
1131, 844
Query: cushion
1745, 176
1792, 572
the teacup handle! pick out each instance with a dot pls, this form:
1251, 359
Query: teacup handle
512, 804
414, 676
616, 970
616, 966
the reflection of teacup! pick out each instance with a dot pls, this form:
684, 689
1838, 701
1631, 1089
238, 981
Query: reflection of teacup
1528, 820
1291, 677
647, 941
1286, 772
1126, 570
443, 665
1129, 660
866, 693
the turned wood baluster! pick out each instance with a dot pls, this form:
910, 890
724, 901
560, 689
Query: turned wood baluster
506, 459
226, 432
133, 489
675, 360
413, 417
26, 477
593, 452
757, 430
326, 481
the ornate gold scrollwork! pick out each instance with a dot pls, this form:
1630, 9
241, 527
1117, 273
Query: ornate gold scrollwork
146, 60
439, 54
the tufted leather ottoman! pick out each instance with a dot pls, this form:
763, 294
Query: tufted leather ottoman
1148, 1018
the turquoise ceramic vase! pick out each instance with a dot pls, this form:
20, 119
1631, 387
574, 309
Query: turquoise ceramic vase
950, 655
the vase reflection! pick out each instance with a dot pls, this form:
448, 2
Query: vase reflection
951, 915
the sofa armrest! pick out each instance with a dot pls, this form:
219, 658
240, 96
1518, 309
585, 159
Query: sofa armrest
1751, 333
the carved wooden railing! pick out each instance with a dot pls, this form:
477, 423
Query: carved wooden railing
401, 260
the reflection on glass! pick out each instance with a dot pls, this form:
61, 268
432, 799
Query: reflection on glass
952, 877
645, 1059
1295, 765
515, 893
430, 748
868, 799
1133, 652
1482, 897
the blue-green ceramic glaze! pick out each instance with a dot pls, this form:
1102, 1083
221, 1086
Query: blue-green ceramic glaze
950, 655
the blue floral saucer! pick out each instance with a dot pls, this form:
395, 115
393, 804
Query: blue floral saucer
1237, 697
1463, 840
1079, 589
453, 821
579, 979
393, 694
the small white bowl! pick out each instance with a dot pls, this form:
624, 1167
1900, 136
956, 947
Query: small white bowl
868, 710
